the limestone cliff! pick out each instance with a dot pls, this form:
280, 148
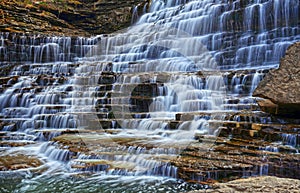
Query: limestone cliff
66, 17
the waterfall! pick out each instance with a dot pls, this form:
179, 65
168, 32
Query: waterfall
134, 100
41, 49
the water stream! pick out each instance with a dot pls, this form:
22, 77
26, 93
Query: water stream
111, 112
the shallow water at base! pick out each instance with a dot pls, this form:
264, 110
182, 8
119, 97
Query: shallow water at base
96, 183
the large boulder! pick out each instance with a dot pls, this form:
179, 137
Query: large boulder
280, 89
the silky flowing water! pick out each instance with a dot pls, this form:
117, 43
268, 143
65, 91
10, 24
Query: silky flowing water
100, 111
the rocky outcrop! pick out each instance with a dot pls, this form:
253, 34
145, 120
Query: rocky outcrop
280, 89
18, 161
22, 17
256, 184
67, 17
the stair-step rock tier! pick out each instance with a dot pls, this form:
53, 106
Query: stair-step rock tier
169, 97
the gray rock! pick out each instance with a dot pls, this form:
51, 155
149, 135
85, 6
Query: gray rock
280, 89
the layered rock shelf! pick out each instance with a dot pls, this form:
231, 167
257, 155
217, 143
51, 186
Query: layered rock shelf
256, 184
68, 18
249, 142
169, 99
17, 162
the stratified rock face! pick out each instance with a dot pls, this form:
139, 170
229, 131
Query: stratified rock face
67, 17
280, 89
257, 184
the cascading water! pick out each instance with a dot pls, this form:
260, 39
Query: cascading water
130, 103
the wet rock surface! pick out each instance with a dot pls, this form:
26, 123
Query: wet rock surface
18, 161
107, 117
280, 89
248, 143
256, 184
242, 149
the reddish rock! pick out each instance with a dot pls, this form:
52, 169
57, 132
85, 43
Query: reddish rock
71, 18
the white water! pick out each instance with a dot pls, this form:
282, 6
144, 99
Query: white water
189, 57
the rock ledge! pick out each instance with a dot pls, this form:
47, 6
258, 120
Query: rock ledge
256, 184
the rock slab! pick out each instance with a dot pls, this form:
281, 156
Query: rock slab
256, 184
280, 89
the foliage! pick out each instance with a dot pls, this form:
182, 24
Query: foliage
28, 2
